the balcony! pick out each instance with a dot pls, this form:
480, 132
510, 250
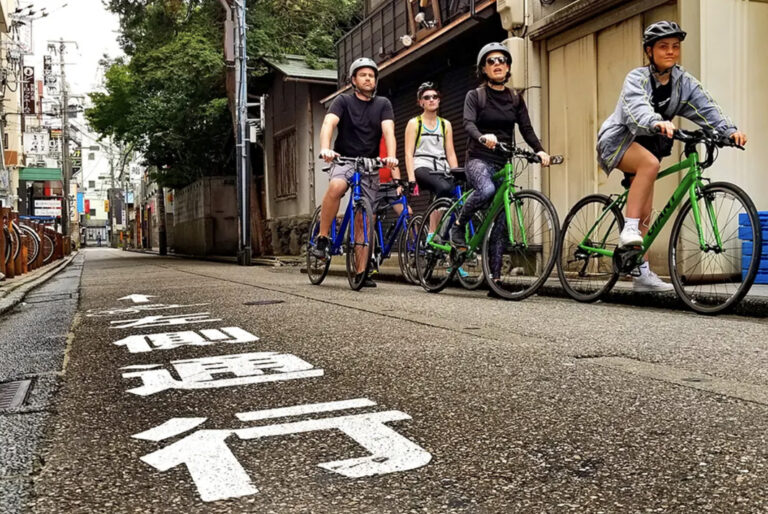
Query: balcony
380, 35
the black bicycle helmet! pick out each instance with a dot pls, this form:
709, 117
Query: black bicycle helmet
426, 86
660, 30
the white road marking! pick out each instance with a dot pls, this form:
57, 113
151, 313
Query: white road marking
157, 321
311, 408
248, 368
138, 298
172, 340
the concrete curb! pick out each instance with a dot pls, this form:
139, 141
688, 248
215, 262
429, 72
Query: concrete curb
750, 306
16, 291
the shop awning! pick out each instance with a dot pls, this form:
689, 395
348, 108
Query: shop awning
40, 174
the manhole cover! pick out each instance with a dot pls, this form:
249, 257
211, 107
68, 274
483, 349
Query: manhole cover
263, 302
12, 394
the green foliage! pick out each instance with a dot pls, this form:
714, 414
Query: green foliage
300, 27
168, 98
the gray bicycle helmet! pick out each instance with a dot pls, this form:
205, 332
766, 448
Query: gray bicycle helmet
660, 30
492, 47
363, 62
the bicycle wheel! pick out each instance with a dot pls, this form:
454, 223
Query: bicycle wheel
470, 273
360, 250
587, 275
32, 243
433, 265
8, 244
407, 250
15, 240
49, 245
317, 269
525, 263
710, 279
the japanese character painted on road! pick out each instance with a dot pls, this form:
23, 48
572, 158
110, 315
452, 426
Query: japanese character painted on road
247, 368
171, 340
158, 321
138, 308
219, 476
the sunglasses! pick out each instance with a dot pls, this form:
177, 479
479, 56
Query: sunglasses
496, 60
430, 97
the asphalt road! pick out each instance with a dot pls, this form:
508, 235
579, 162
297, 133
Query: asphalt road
464, 403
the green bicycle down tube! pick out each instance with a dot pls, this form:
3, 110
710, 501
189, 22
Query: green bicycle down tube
687, 187
620, 201
447, 218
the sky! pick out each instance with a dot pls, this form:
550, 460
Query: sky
89, 24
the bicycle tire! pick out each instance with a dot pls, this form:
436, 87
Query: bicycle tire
356, 280
579, 282
528, 266
33, 243
317, 269
473, 264
8, 244
407, 250
49, 247
428, 259
16, 241
724, 262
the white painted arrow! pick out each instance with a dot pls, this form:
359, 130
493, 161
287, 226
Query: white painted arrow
138, 298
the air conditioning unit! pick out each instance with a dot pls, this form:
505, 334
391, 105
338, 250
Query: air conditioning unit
516, 47
512, 13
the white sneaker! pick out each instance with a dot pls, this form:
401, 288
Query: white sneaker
650, 282
630, 237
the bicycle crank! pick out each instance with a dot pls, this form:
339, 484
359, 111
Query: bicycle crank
625, 260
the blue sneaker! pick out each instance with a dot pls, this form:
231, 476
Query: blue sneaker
462, 273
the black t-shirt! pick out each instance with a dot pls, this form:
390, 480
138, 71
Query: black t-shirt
502, 110
360, 124
662, 94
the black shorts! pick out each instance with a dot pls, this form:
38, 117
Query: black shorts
659, 145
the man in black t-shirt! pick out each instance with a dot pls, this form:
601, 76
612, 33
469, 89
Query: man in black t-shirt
362, 118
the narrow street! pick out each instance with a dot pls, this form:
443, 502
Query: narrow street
205, 387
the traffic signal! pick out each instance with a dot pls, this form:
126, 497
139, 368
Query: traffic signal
106, 205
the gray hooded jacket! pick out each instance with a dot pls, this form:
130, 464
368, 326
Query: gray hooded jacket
634, 115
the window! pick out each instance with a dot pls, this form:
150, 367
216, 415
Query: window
91, 184
92, 212
91, 156
285, 163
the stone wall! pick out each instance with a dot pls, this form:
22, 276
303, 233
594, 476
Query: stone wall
287, 236
205, 217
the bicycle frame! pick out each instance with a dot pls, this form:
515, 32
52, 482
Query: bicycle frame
688, 186
337, 237
500, 200
402, 222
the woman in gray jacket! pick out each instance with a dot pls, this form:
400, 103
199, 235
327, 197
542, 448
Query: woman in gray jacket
639, 133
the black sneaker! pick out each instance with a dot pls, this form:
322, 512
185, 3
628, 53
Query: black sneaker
367, 281
457, 235
320, 250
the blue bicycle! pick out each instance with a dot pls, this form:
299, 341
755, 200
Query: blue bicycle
355, 238
402, 231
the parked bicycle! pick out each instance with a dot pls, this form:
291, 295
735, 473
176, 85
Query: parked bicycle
354, 236
526, 217
705, 259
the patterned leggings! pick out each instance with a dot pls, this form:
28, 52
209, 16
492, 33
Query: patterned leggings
479, 175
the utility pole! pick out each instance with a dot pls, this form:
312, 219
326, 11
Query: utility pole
66, 168
244, 252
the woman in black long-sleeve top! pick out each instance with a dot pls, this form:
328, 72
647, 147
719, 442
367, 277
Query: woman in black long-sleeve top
487, 125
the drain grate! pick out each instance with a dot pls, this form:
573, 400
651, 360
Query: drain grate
263, 302
13, 394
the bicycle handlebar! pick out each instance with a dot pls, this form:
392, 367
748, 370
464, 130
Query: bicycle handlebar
513, 151
707, 137
369, 165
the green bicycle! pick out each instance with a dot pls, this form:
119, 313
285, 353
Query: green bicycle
705, 260
528, 252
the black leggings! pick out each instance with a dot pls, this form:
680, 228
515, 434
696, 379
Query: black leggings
436, 183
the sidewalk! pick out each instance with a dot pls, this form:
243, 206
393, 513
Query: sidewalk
13, 290
755, 304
